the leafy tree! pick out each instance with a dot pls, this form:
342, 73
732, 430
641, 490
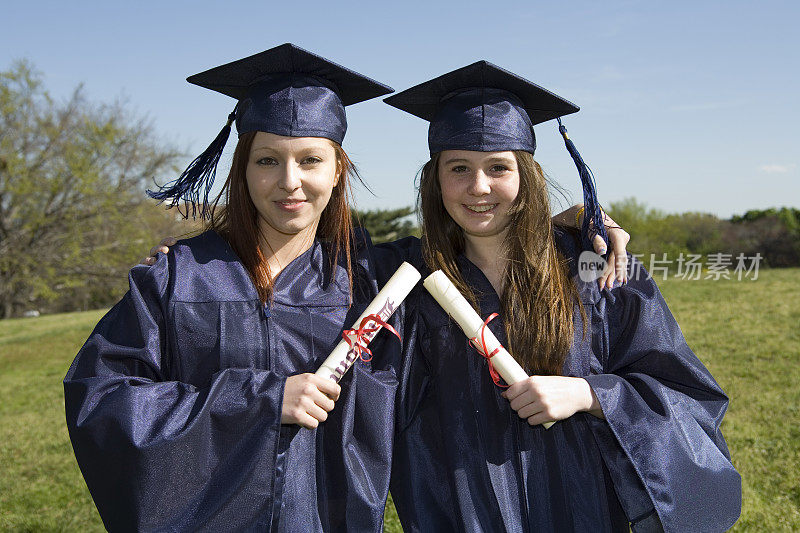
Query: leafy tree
788, 215
696, 233
641, 222
774, 233
72, 203
387, 225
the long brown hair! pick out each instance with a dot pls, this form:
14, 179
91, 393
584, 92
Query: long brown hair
237, 220
538, 295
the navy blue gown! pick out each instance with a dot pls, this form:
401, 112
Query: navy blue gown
464, 460
174, 402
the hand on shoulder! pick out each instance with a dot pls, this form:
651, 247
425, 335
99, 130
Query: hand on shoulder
162, 247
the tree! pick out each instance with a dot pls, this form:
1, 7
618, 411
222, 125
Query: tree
773, 233
72, 180
386, 225
641, 222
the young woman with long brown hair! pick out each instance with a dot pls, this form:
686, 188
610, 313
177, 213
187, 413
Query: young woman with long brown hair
637, 441
193, 406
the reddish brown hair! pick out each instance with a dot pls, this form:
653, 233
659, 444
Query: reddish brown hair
237, 220
538, 295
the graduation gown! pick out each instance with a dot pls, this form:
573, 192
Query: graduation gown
174, 402
464, 460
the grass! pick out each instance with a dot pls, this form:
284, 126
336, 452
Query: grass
745, 331
41, 488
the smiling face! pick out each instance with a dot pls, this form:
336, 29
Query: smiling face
479, 190
290, 181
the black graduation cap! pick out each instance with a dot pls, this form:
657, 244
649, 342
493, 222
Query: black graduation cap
236, 78
484, 108
481, 107
284, 90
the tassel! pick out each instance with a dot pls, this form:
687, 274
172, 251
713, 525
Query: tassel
593, 216
198, 176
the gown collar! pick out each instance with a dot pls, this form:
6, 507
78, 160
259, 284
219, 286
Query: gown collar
305, 282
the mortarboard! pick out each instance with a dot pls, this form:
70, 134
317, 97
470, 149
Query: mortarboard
284, 90
484, 108
481, 107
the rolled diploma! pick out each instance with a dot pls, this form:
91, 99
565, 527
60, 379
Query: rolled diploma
452, 301
384, 304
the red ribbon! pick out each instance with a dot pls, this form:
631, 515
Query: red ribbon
360, 343
480, 345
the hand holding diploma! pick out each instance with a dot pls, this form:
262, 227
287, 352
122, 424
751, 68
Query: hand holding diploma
374, 317
541, 399
448, 296
307, 400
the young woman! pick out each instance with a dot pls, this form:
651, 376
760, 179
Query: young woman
637, 441
192, 405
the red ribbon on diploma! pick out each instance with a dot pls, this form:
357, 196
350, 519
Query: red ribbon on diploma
360, 343
480, 345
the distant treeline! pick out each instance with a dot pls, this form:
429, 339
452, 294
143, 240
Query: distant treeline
773, 233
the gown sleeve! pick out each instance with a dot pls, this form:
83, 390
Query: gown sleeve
664, 410
158, 453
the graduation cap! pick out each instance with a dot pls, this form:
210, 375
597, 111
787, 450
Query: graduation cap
484, 108
284, 90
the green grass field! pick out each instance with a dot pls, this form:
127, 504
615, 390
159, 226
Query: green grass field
745, 331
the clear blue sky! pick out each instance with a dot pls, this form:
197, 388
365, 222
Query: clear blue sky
684, 105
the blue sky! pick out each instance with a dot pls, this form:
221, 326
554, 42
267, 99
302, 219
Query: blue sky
684, 105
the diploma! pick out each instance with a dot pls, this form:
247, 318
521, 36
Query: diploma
355, 340
452, 301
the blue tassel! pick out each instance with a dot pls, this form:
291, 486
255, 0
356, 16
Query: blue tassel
593, 216
198, 176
